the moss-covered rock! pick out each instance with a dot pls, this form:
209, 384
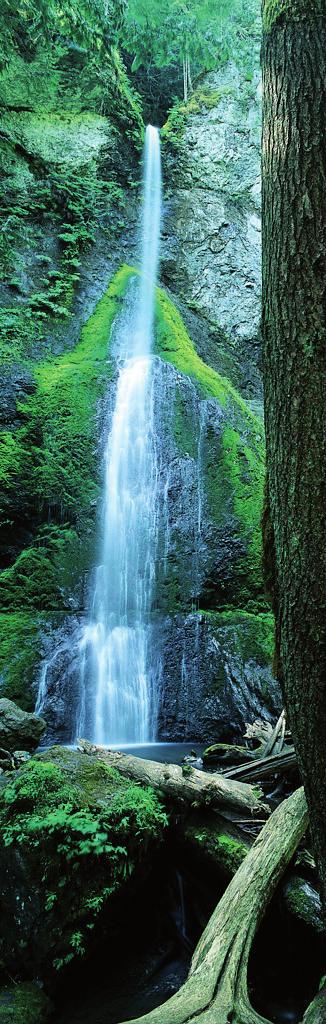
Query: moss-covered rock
23, 1004
20, 653
217, 675
226, 440
73, 832
19, 730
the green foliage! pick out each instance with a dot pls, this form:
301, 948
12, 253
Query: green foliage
71, 136
85, 822
19, 655
163, 34
89, 23
206, 33
50, 457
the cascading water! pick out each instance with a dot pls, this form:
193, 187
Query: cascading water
116, 703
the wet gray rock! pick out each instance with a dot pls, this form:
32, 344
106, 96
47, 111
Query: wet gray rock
212, 230
217, 676
18, 729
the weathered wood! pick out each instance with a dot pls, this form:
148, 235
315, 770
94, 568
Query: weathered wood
216, 989
316, 1012
271, 741
264, 766
276, 739
223, 845
182, 783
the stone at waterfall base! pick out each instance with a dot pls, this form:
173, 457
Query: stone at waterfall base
18, 729
23, 1004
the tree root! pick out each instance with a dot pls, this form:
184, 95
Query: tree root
216, 990
316, 1012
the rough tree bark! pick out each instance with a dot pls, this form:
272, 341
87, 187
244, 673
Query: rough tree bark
294, 340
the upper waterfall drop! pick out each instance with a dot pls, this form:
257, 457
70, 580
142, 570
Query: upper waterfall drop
151, 225
117, 703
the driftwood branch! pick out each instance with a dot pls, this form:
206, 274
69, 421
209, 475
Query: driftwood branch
216, 988
316, 1012
270, 741
184, 783
264, 766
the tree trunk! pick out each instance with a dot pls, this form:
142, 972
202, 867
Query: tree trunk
186, 784
190, 86
185, 80
294, 343
216, 988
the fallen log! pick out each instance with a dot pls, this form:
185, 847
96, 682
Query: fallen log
263, 767
216, 990
185, 783
270, 741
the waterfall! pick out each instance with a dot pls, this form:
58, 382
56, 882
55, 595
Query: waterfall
116, 704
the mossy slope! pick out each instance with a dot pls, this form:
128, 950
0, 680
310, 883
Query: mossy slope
49, 472
234, 465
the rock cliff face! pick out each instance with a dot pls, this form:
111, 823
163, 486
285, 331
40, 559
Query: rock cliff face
210, 668
69, 171
212, 250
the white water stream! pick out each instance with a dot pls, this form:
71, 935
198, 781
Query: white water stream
114, 645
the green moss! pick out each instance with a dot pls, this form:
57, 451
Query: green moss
291, 10
303, 903
65, 402
234, 469
225, 851
84, 829
176, 123
244, 465
251, 633
50, 459
174, 344
45, 575
23, 1004
19, 655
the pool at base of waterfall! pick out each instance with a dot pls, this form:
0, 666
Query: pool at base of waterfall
165, 753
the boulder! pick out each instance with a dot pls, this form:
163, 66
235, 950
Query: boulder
18, 729
23, 1004
73, 835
